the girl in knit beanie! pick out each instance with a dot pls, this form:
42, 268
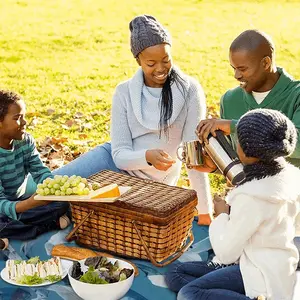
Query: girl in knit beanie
153, 113
265, 137
255, 254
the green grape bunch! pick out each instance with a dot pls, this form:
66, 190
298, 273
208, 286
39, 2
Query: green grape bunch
63, 186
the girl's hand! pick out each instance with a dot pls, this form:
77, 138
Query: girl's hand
220, 206
159, 159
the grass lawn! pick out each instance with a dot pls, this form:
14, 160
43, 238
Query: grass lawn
66, 56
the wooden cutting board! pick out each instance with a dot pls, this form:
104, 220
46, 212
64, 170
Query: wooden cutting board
86, 198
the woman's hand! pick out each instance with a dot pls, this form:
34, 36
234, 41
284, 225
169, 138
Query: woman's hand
205, 127
159, 159
220, 206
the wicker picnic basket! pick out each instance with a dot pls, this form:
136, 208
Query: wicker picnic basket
151, 221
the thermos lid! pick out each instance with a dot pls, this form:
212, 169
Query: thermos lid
239, 178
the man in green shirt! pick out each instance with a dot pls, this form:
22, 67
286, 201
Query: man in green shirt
262, 85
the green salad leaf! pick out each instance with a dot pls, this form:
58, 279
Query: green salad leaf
53, 278
91, 276
17, 262
30, 280
122, 276
33, 260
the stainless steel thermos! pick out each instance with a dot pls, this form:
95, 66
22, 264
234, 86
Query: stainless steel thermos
225, 158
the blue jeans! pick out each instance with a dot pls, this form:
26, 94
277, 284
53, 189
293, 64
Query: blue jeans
197, 280
94, 161
33, 222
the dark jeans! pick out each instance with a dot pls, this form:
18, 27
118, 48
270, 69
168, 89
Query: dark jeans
197, 280
33, 222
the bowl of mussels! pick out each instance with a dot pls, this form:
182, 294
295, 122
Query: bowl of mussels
101, 277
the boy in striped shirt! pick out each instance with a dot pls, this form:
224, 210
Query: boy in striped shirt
22, 217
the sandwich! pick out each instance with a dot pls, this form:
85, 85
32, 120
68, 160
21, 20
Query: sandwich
34, 270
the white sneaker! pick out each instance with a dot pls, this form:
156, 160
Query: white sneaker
64, 222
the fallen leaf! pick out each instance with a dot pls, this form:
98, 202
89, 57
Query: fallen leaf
77, 121
89, 118
83, 136
33, 114
79, 143
45, 142
34, 121
59, 140
87, 125
78, 115
56, 155
55, 163
56, 147
69, 123
50, 111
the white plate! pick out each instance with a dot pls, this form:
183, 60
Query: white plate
75, 198
66, 264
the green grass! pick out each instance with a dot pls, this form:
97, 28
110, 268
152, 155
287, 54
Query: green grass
69, 55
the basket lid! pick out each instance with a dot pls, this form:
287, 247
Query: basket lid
146, 196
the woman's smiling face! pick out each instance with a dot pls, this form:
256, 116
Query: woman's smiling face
156, 63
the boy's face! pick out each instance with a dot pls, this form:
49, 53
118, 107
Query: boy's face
13, 126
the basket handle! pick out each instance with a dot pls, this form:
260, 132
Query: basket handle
169, 260
69, 237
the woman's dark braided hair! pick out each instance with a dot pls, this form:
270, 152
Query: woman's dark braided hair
166, 100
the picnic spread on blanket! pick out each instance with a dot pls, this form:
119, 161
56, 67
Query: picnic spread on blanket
148, 285
125, 230
149, 221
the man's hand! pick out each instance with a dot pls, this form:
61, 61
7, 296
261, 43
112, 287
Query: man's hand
30, 203
205, 127
159, 159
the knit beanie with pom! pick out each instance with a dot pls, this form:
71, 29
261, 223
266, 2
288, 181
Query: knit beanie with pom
266, 134
146, 31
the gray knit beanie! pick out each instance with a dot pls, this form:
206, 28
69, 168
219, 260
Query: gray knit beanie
266, 134
146, 32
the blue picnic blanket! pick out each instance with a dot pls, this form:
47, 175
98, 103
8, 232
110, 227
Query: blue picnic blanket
148, 285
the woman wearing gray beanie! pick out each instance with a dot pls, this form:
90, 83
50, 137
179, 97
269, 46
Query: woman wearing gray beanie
152, 114
256, 257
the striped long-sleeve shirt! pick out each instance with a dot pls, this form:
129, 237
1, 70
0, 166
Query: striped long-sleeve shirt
15, 165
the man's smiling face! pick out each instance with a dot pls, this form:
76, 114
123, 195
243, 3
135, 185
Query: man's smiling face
249, 70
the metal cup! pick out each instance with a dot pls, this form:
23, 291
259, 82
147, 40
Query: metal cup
193, 153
